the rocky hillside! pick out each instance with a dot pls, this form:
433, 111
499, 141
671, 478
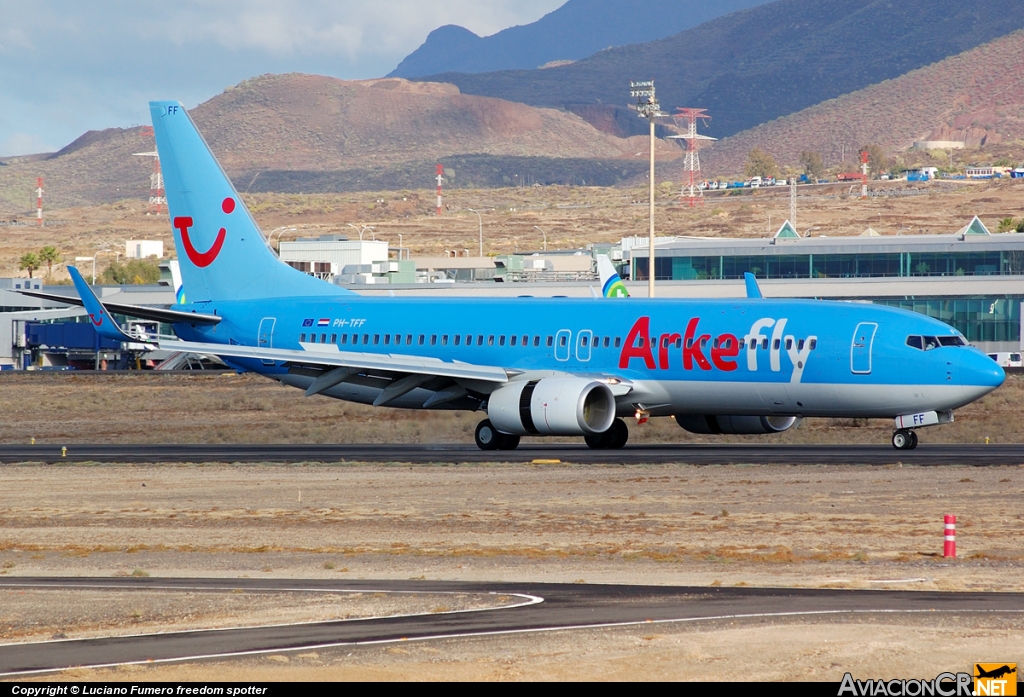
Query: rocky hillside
577, 29
977, 97
756, 65
292, 131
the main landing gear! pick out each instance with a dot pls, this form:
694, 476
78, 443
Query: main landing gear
612, 439
489, 438
904, 439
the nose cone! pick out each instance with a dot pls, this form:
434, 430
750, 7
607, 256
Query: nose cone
979, 374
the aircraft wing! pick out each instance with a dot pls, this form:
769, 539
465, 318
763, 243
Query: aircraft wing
328, 355
158, 314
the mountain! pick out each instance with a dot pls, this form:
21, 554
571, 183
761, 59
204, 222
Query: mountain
313, 133
575, 30
976, 96
755, 65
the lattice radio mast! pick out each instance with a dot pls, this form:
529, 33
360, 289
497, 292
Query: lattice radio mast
157, 198
692, 192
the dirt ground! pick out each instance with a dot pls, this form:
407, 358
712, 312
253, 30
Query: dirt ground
222, 407
820, 526
570, 217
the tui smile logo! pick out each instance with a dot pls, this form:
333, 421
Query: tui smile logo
97, 322
203, 259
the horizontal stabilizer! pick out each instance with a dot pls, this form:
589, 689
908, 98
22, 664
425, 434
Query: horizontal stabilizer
157, 314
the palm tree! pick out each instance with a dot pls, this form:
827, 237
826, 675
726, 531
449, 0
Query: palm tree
29, 262
49, 255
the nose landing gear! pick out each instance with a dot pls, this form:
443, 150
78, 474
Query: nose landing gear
904, 439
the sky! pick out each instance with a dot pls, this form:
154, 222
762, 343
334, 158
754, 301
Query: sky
68, 66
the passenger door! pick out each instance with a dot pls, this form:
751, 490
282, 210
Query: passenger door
583, 341
562, 346
860, 348
265, 336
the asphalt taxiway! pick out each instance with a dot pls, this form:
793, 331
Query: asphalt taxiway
928, 454
541, 607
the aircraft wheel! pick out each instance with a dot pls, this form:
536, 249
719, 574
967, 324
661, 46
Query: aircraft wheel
612, 439
913, 440
506, 441
902, 439
617, 435
487, 437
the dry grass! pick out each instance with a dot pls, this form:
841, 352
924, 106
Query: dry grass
62, 408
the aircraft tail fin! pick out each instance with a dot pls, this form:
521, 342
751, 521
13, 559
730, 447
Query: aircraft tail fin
101, 320
222, 253
753, 290
611, 285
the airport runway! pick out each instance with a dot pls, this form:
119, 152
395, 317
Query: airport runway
973, 454
545, 607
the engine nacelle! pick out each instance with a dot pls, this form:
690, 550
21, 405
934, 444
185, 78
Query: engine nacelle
552, 407
736, 425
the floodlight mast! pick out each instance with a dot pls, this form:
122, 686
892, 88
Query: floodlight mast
647, 107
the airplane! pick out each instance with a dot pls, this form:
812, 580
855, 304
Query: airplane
538, 366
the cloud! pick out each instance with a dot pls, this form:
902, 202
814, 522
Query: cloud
95, 65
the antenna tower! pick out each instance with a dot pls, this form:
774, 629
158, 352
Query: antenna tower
39, 201
440, 178
691, 163
157, 199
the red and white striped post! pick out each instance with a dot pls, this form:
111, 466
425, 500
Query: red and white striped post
949, 546
39, 200
440, 178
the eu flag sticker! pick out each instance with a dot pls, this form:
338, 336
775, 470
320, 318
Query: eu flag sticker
307, 323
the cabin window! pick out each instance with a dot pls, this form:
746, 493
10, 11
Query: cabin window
689, 342
366, 338
422, 337
433, 339
457, 338
550, 341
479, 339
704, 342
813, 344
583, 340
408, 339
387, 339
344, 338
334, 338
323, 338
355, 338
398, 338
776, 344
789, 343
490, 340
526, 340
618, 341
513, 339
536, 340
444, 339
302, 337
743, 343
563, 340
376, 339
800, 345
764, 343
606, 341
501, 340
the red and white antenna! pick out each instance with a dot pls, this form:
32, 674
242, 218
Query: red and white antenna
691, 163
39, 201
157, 199
440, 178
864, 174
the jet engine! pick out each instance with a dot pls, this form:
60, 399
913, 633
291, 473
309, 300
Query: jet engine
552, 407
737, 425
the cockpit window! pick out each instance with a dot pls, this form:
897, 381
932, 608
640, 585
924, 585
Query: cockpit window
927, 343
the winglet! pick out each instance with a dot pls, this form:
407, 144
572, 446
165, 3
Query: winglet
611, 285
102, 322
753, 291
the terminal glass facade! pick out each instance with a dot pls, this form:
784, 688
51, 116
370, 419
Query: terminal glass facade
900, 264
991, 318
